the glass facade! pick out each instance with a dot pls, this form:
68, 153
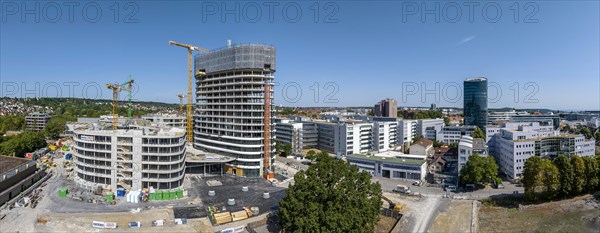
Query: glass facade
475, 102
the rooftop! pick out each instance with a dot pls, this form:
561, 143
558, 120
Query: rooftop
135, 127
478, 79
387, 159
424, 142
8, 163
562, 135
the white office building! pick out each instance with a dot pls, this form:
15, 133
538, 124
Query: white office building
497, 116
513, 145
467, 146
407, 130
453, 134
289, 132
385, 135
428, 128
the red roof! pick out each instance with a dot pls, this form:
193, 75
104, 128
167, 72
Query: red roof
423, 142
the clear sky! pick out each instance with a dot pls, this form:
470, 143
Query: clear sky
544, 54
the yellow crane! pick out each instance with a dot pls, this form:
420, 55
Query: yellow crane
116, 88
180, 96
190, 48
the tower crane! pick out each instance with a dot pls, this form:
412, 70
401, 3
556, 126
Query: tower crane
190, 48
180, 96
116, 88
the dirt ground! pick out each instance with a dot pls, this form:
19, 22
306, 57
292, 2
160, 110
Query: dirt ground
580, 214
419, 213
456, 218
73, 222
385, 224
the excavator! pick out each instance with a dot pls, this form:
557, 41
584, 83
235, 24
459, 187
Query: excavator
393, 206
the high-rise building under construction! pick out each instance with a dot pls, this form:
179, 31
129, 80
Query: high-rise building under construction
234, 106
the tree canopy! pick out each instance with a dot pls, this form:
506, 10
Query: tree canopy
566, 176
479, 169
561, 177
23, 143
331, 196
419, 114
57, 125
579, 181
11, 123
478, 133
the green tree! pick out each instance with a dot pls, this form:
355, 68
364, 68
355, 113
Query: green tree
331, 196
597, 157
478, 133
591, 173
13, 122
22, 143
417, 138
490, 172
566, 175
550, 178
57, 125
597, 136
531, 176
585, 131
447, 121
278, 147
479, 169
474, 170
311, 154
287, 149
579, 181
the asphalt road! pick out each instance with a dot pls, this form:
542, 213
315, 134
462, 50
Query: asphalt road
390, 184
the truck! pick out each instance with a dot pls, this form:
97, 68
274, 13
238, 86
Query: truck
402, 189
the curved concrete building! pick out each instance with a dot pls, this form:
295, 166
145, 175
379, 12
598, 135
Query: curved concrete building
234, 109
131, 159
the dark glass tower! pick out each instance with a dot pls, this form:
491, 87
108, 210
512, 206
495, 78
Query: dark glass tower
475, 102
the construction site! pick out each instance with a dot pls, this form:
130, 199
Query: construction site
163, 170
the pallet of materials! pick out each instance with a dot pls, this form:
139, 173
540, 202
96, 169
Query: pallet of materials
239, 215
224, 217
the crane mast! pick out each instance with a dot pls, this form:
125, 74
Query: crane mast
180, 96
116, 88
189, 48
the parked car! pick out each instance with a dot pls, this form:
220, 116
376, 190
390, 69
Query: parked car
469, 187
416, 183
450, 188
134, 224
158, 222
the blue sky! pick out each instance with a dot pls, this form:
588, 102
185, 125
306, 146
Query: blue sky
356, 52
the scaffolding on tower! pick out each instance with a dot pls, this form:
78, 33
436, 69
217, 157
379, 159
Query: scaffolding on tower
267, 130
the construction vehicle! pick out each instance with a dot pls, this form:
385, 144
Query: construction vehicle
393, 206
402, 189
116, 88
190, 48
